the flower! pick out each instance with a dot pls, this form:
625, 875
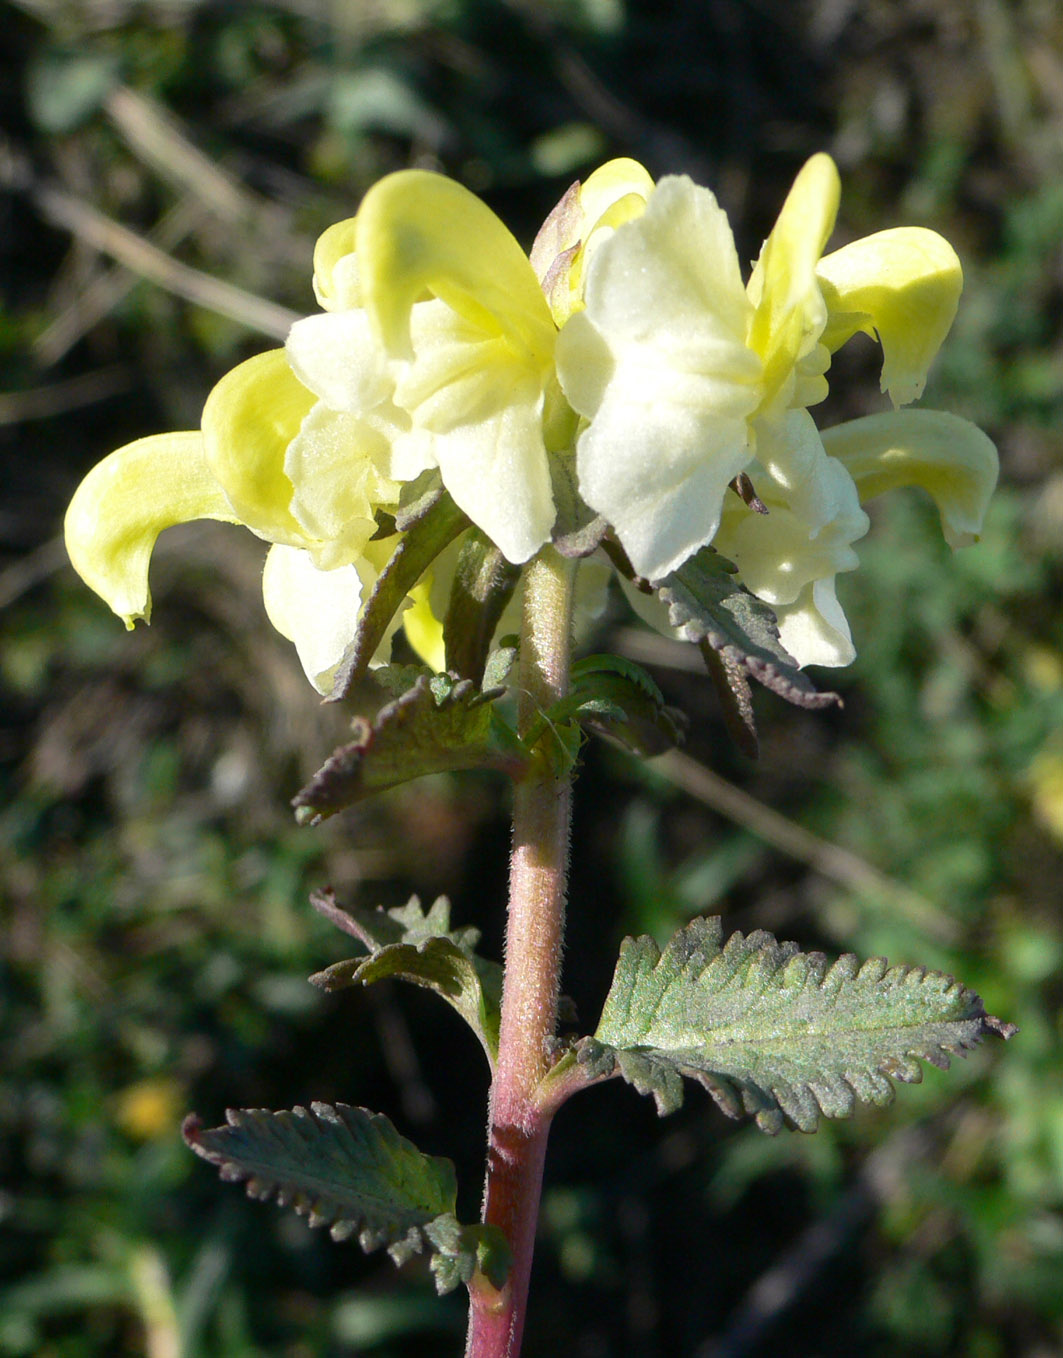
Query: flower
435, 323
235, 469
685, 378
623, 370
434, 351
657, 361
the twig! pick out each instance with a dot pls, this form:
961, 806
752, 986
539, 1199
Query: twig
829, 860
796, 1269
57, 398
142, 257
20, 577
154, 135
110, 286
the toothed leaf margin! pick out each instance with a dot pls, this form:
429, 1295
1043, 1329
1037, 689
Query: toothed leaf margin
770, 1031
410, 945
350, 1170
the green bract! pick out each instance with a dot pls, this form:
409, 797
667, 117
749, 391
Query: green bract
625, 363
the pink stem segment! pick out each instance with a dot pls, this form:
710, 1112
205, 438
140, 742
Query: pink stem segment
518, 1124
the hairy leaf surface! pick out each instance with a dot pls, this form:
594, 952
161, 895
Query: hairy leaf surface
708, 605
427, 527
436, 725
350, 1170
774, 1032
411, 945
483, 585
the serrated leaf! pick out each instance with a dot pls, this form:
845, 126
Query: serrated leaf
710, 606
482, 587
350, 1170
774, 1032
459, 1251
617, 698
410, 945
427, 527
409, 923
438, 725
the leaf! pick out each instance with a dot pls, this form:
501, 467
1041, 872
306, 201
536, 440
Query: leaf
65, 87
483, 584
436, 725
408, 944
708, 604
617, 698
407, 923
772, 1031
499, 664
427, 527
459, 1251
350, 1170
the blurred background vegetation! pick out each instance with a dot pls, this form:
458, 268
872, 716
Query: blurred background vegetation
165, 170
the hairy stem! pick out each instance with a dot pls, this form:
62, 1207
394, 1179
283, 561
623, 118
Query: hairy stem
518, 1127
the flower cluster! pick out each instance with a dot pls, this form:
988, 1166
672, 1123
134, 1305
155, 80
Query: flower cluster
624, 365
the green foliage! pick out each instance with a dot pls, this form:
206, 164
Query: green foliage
774, 1032
350, 1170
617, 698
436, 725
739, 638
429, 525
483, 585
408, 944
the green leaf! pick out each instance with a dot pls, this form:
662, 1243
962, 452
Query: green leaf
499, 664
772, 1031
350, 1170
427, 527
408, 923
436, 725
708, 605
459, 1251
408, 944
617, 698
483, 585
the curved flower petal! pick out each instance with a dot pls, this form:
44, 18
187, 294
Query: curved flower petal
317, 610
336, 279
790, 450
790, 312
424, 631
615, 193
336, 356
777, 554
123, 505
948, 457
814, 629
249, 419
337, 464
902, 285
480, 414
419, 232
658, 363
622, 182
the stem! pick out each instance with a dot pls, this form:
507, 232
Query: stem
517, 1125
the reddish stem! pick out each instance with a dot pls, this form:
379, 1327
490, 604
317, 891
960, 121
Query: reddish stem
518, 1125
